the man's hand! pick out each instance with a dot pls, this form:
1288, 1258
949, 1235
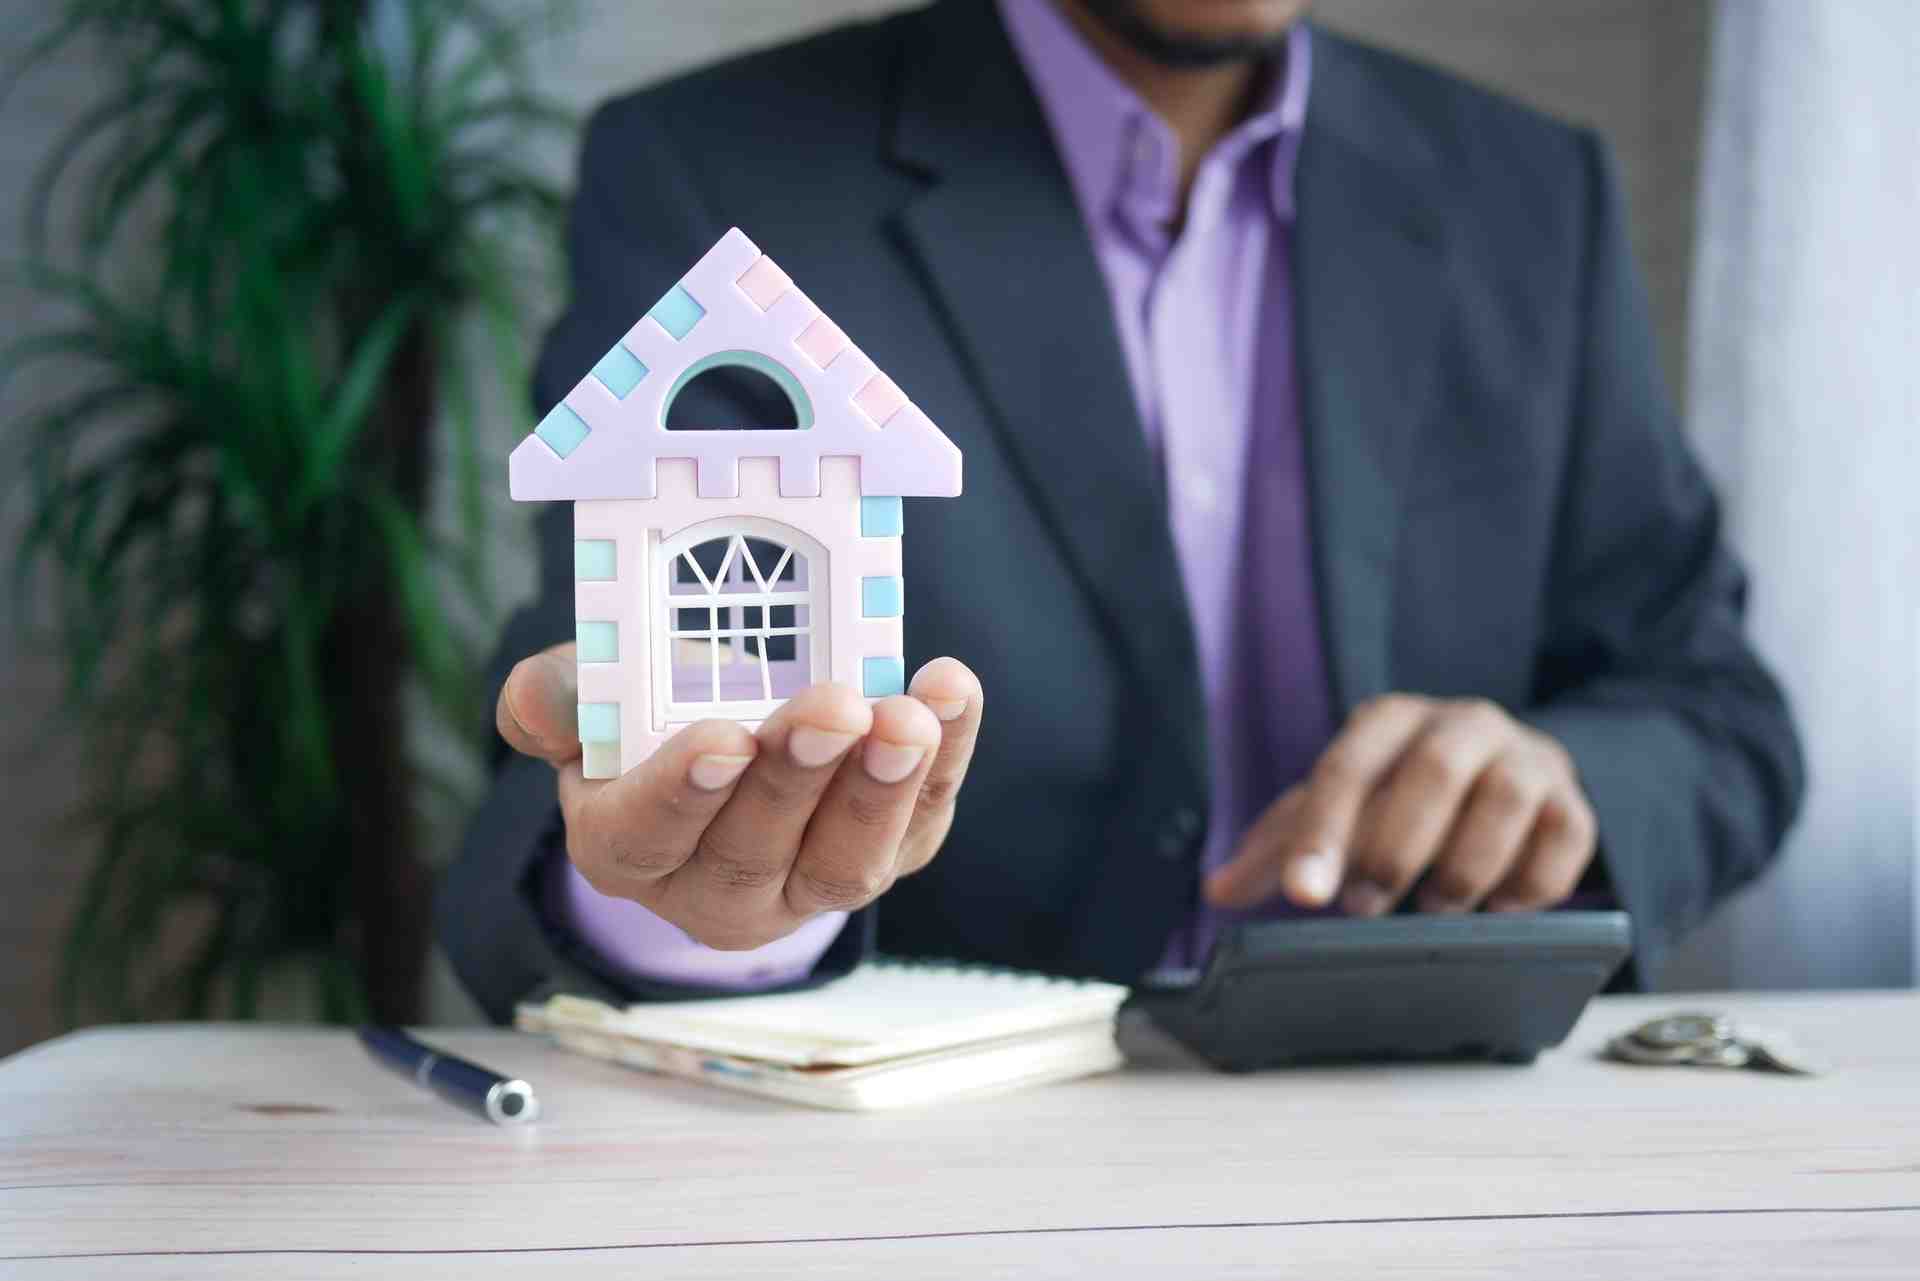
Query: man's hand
738, 838
1485, 809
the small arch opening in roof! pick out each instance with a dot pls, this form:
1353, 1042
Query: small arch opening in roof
737, 391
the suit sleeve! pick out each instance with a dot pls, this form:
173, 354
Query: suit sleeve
502, 912
1683, 739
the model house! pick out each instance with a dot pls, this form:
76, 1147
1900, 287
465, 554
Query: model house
719, 572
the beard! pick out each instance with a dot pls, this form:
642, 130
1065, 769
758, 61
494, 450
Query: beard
1184, 50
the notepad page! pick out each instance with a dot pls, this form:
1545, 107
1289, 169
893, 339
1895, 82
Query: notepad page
882, 1010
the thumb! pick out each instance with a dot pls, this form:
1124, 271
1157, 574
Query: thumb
1270, 861
538, 712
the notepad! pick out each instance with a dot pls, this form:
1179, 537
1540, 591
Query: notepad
891, 1034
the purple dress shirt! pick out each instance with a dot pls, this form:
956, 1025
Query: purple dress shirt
1205, 318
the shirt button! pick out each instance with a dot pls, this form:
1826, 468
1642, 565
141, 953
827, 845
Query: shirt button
1177, 833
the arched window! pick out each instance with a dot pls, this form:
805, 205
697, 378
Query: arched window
741, 599
754, 384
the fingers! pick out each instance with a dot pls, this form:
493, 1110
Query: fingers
737, 837
1455, 796
1492, 831
952, 693
1563, 842
847, 858
1347, 774
539, 709
728, 890
1265, 864
628, 835
1403, 825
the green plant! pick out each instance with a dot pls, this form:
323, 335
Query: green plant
296, 236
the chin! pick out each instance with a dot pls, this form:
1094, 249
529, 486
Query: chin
1215, 20
1198, 33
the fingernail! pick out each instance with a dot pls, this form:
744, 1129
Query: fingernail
711, 773
890, 762
1505, 905
1364, 898
1315, 877
947, 709
1440, 905
811, 748
562, 695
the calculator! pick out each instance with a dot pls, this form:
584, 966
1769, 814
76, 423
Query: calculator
1494, 986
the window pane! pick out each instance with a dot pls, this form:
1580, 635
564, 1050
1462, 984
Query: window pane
748, 666
711, 554
768, 555
790, 671
692, 676
684, 582
708, 556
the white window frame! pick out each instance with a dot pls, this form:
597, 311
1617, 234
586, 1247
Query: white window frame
736, 529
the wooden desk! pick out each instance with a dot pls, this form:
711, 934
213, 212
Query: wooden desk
235, 1151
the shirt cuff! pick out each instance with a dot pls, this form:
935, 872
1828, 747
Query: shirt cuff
636, 943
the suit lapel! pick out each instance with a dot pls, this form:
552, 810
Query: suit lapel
1369, 274
1001, 244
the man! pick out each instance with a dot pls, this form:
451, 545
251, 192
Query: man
1327, 540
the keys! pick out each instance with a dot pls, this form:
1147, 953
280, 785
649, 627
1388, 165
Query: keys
1708, 1040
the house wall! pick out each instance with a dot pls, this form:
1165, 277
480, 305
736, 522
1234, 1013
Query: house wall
864, 652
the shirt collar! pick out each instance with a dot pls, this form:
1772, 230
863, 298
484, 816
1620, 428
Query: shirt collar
1120, 156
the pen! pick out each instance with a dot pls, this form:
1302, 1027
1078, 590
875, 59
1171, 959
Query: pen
499, 1099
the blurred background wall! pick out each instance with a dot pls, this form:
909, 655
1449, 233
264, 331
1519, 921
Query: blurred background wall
1638, 70
1804, 399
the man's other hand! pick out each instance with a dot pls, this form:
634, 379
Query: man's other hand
1456, 796
738, 837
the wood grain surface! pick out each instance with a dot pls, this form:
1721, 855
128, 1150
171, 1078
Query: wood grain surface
226, 1151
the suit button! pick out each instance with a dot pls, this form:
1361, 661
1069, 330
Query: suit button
1177, 833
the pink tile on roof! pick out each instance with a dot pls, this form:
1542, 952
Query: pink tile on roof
764, 282
821, 341
880, 398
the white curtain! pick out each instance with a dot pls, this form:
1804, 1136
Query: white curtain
1805, 400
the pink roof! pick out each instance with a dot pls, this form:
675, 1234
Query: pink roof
603, 440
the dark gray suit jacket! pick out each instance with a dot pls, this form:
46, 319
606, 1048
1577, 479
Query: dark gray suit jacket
1502, 504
